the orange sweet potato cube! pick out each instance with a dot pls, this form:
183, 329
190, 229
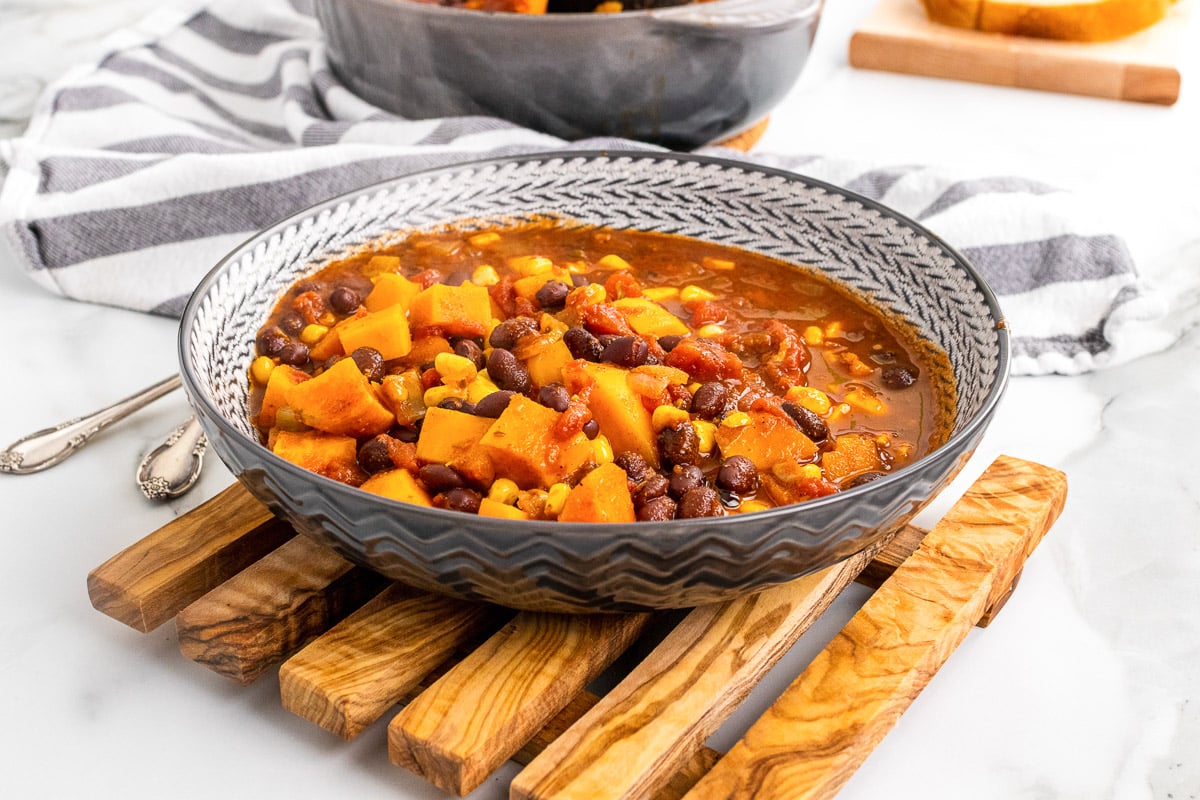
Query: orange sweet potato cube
853, 454
398, 484
464, 310
647, 317
602, 496
523, 448
768, 440
452, 438
340, 400
282, 378
387, 331
391, 289
619, 411
494, 508
323, 453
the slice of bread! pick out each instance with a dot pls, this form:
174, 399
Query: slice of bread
1074, 20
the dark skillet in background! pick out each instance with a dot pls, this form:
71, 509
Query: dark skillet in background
680, 76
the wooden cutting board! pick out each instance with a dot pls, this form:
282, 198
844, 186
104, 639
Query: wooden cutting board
898, 37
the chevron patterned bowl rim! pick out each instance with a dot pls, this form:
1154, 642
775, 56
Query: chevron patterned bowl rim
641, 553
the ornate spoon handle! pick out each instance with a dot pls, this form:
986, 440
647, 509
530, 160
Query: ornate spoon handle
45, 448
174, 466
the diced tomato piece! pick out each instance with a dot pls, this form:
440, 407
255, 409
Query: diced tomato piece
622, 284
704, 360
706, 312
604, 318
310, 306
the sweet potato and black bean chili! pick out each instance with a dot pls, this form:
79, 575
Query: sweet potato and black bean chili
583, 374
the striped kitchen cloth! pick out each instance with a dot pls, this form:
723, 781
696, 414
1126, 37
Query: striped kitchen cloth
208, 122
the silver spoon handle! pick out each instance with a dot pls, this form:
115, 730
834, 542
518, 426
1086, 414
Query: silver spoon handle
45, 448
173, 467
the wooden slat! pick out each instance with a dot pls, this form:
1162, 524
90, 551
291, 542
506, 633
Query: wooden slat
650, 725
349, 676
898, 37
484, 709
272, 608
148, 582
826, 723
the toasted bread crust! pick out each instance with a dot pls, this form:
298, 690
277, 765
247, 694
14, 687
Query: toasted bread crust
1074, 20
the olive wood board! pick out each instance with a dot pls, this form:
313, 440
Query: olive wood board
897, 36
465, 687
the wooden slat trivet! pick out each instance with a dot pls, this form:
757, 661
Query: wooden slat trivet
984, 540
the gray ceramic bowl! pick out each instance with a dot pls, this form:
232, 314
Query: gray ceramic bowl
590, 567
680, 77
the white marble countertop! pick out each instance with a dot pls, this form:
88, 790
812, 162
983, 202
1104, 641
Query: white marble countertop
1086, 686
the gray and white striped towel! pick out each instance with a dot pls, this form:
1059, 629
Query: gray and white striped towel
206, 123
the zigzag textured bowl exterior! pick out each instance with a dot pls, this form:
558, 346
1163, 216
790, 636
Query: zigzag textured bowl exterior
587, 567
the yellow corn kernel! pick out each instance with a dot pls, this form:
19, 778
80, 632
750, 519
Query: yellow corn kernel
660, 293
694, 294
602, 452
456, 370
260, 369
736, 419
719, 264
710, 331
694, 386
549, 322
577, 267
530, 265
311, 334
480, 388
504, 491
485, 275
750, 506
883, 440
811, 398
556, 498
613, 262
668, 416
484, 239
328, 319
591, 293
706, 435
810, 471
609, 7
436, 394
834, 330
814, 336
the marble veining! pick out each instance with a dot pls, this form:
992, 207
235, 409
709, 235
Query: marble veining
1086, 687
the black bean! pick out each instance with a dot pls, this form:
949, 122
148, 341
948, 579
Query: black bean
710, 400
294, 354
344, 300
329, 362
464, 500
591, 429
493, 405
370, 362
470, 350
554, 395
653, 486
291, 324
271, 341
404, 433
634, 465
866, 477
700, 502
738, 475
553, 295
809, 422
668, 343
440, 478
373, 455
679, 445
507, 371
457, 404
898, 377
626, 351
582, 344
506, 335
684, 479
579, 279
659, 509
